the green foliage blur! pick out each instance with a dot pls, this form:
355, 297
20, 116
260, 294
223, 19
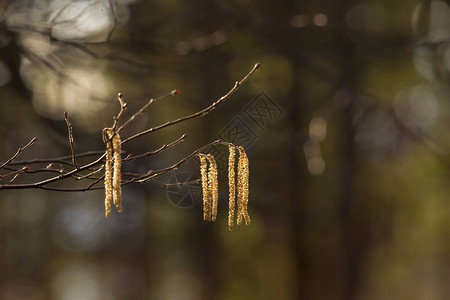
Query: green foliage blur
345, 126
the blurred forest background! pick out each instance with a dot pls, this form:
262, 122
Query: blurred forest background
345, 125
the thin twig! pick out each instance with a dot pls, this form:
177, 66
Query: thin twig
42, 183
95, 182
200, 113
144, 108
61, 159
14, 178
123, 107
20, 150
163, 147
166, 185
49, 170
69, 129
90, 187
13, 171
156, 173
88, 176
17, 175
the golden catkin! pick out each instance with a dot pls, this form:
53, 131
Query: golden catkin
240, 176
245, 188
231, 186
213, 185
108, 178
205, 189
117, 190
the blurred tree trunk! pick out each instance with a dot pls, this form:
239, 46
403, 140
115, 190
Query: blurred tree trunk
297, 186
213, 76
288, 44
355, 235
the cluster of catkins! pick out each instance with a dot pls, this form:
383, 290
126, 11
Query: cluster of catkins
112, 171
237, 186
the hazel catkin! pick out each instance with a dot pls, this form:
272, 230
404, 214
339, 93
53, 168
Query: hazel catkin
237, 186
213, 185
231, 186
205, 189
108, 178
243, 187
116, 181
113, 189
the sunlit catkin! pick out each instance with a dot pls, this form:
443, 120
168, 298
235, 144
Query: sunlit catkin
108, 178
231, 186
245, 188
240, 174
205, 189
213, 185
242, 187
117, 190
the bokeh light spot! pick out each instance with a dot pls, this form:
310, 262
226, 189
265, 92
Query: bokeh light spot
299, 21
316, 165
320, 20
318, 129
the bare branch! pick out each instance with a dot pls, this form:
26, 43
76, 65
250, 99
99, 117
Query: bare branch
62, 159
69, 129
163, 147
123, 107
14, 178
42, 183
200, 113
166, 185
92, 171
18, 172
13, 172
90, 187
152, 174
88, 176
144, 108
20, 150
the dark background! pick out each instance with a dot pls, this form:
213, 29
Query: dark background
345, 125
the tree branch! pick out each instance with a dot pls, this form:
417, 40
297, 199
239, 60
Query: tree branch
163, 147
20, 150
89, 170
144, 108
201, 113
69, 129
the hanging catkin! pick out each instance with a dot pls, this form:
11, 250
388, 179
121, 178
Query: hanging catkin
237, 186
117, 190
231, 186
108, 178
113, 190
242, 186
205, 189
245, 188
213, 185
240, 174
